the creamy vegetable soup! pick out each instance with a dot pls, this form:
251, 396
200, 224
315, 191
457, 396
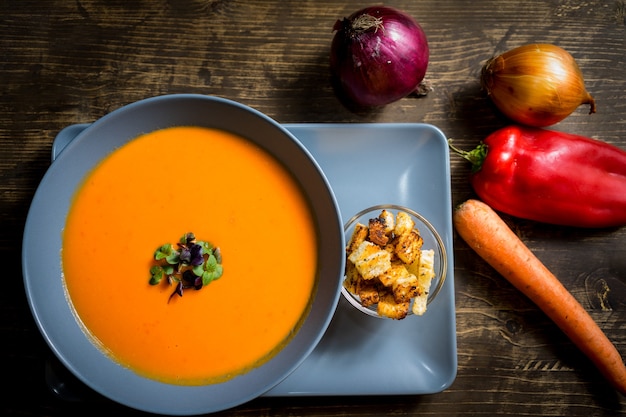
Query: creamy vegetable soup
226, 191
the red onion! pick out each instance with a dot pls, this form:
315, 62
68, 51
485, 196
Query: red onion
378, 55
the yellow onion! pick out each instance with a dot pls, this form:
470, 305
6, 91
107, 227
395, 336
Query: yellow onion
536, 84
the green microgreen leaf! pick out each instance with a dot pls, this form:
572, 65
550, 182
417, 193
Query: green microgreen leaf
173, 258
210, 263
206, 246
193, 258
156, 274
163, 252
212, 270
218, 255
207, 277
210, 276
187, 238
219, 271
198, 270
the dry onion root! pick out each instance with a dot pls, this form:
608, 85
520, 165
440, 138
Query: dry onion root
536, 84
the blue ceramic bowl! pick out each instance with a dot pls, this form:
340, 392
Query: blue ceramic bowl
42, 248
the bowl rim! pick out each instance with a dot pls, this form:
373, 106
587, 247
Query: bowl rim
443, 266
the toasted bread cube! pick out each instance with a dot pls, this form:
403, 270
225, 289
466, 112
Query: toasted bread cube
408, 246
370, 260
352, 278
387, 307
426, 267
395, 272
391, 248
404, 223
367, 290
377, 232
414, 267
390, 221
419, 304
426, 273
405, 288
358, 235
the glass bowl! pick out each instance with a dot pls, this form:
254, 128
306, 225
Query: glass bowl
432, 240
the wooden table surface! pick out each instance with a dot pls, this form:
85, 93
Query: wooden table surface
65, 62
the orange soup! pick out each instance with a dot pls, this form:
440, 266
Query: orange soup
226, 191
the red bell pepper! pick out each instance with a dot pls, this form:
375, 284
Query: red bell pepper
550, 177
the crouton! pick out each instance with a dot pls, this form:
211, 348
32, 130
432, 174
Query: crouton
358, 235
370, 260
390, 221
404, 223
368, 292
377, 232
419, 304
387, 307
391, 248
426, 273
408, 246
405, 288
352, 278
396, 271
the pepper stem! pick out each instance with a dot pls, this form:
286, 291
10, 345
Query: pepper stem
476, 156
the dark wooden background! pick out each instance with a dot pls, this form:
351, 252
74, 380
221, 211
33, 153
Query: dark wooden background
65, 62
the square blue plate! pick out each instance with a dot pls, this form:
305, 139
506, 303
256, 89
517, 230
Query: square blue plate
369, 164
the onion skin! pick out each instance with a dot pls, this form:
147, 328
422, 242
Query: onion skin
380, 64
536, 84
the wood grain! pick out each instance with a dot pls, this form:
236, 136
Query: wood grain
64, 62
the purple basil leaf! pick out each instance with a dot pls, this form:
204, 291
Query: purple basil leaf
198, 283
196, 253
185, 255
189, 277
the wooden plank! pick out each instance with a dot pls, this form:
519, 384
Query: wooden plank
70, 62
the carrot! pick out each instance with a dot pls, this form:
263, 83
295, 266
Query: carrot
487, 234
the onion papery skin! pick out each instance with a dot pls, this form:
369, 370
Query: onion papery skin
536, 84
381, 64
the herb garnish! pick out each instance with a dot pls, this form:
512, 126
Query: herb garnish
192, 264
